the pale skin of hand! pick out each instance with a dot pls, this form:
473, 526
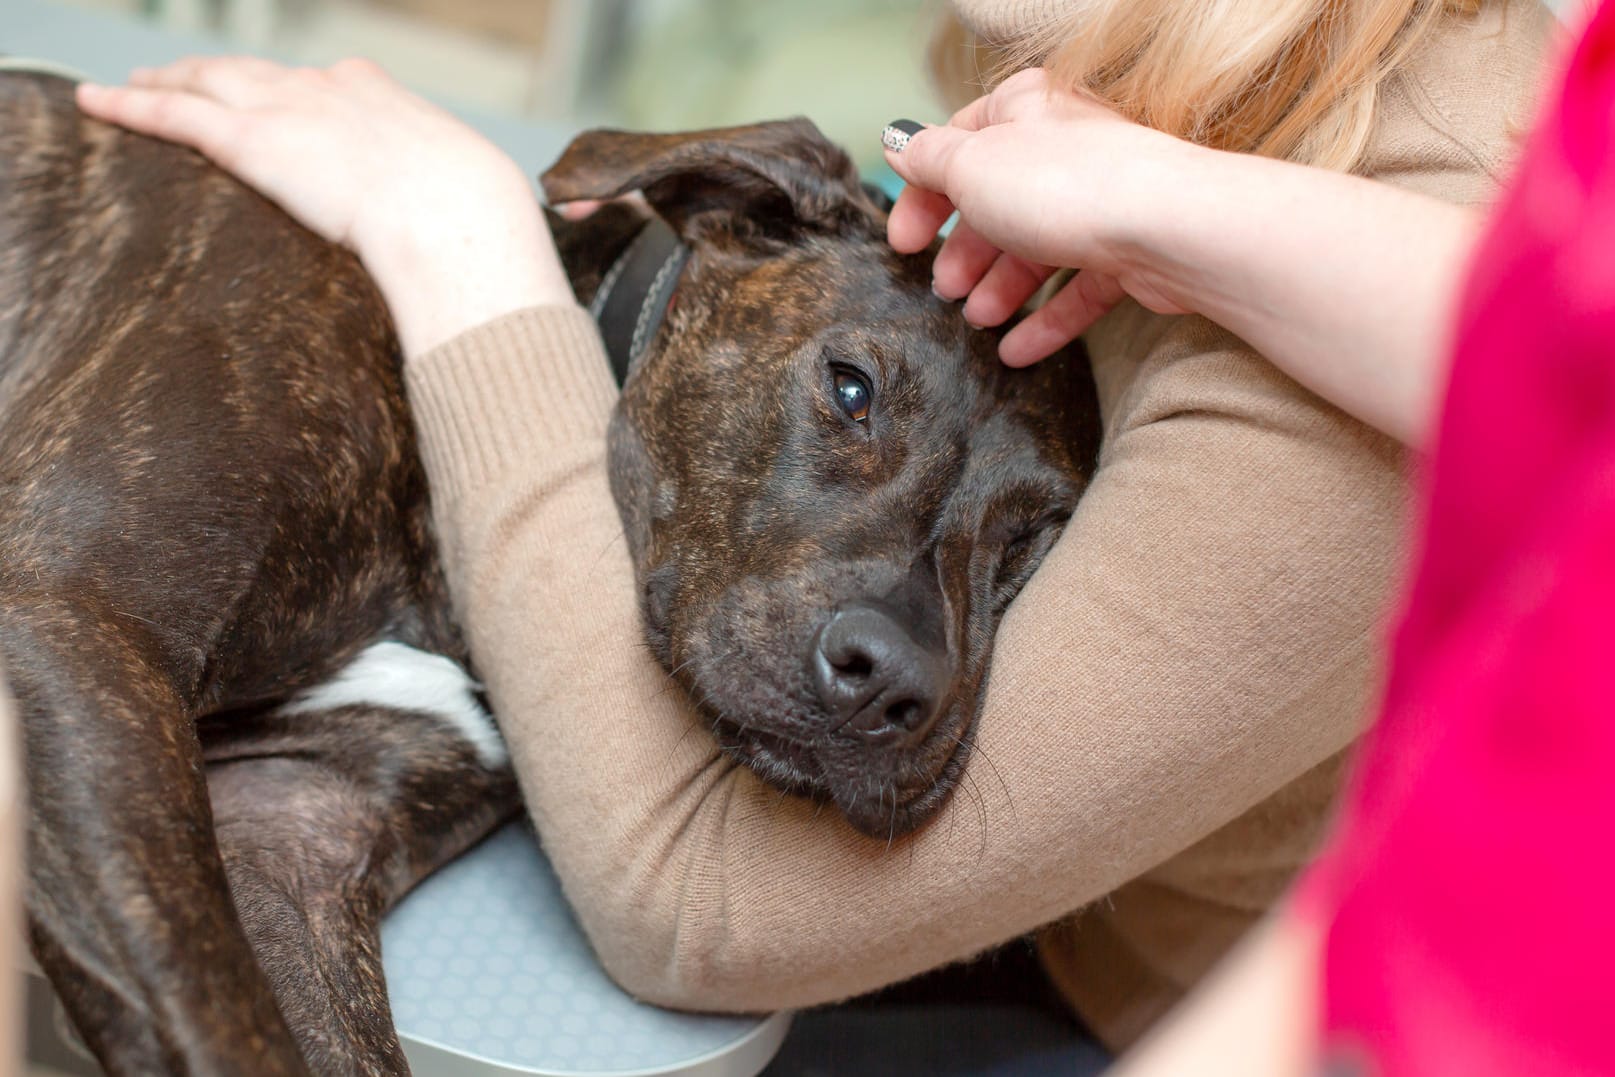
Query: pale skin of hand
447, 225
1032, 174
1346, 284
1254, 1015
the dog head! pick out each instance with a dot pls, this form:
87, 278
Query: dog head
831, 487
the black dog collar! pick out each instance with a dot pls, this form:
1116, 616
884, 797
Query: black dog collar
633, 296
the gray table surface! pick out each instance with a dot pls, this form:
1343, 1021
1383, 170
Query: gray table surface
490, 976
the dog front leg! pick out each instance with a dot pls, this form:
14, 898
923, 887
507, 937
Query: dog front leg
129, 909
325, 818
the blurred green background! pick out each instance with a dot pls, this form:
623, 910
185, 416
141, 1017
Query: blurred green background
850, 65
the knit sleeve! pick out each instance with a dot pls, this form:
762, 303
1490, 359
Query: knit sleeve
1201, 635
506, 395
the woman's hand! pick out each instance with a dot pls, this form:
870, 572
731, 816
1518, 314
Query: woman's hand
1042, 179
447, 224
1346, 284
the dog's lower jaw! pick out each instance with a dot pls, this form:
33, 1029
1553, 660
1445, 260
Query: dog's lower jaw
883, 807
888, 810
881, 810
773, 759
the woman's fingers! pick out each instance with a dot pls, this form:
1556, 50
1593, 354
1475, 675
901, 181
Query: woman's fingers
1065, 316
169, 114
923, 155
198, 100
238, 81
1004, 290
915, 219
1028, 167
1022, 92
587, 207
964, 259
363, 70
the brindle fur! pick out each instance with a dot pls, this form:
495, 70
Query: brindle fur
756, 511
210, 499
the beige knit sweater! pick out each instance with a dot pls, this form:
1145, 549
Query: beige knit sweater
1169, 696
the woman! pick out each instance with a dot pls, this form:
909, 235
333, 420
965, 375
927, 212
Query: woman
1171, 693
1459, 923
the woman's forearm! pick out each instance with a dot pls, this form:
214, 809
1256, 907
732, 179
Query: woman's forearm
441, 281
1255, 1016
1125, 720
1346, 284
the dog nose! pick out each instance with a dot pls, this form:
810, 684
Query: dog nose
875, 678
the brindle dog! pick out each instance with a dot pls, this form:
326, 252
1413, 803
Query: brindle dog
217, 560
830, 486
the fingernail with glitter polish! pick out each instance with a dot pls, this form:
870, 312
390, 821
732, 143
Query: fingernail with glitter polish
898, 132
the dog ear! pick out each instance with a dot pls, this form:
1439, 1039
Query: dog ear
768, 181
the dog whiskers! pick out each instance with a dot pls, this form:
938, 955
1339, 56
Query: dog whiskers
672, 674
981, 813
975, 750
967, 780
620, 536
720, 658
689, 727
891, 830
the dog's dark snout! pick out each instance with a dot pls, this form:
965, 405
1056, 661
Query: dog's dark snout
874, 677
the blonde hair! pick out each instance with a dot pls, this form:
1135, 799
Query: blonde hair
1294, 79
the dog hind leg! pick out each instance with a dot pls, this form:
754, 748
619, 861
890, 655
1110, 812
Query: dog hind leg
326, 818
128, 904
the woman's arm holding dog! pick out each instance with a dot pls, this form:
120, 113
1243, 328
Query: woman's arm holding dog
1126, 719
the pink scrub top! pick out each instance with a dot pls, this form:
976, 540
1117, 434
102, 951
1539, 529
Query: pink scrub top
1469, 894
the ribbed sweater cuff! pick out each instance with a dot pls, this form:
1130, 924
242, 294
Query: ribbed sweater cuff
507, 393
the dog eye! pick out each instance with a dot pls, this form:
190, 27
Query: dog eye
852, 393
